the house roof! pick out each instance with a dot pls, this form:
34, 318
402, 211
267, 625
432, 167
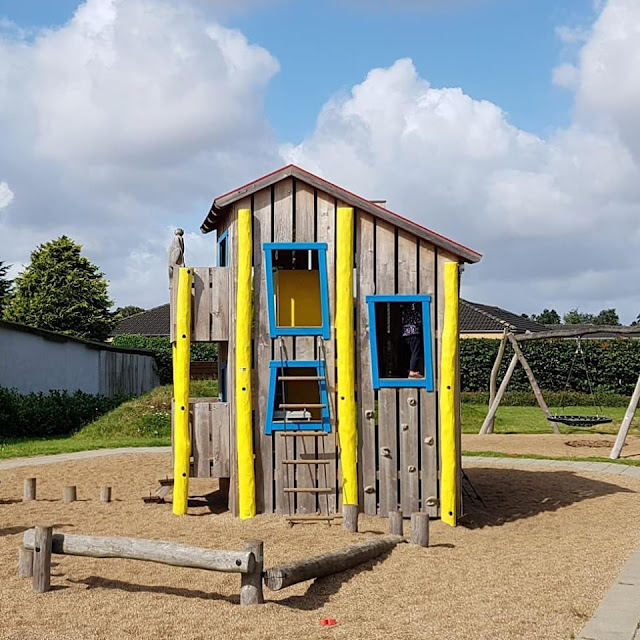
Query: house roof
482, 318
154, 322
221, 207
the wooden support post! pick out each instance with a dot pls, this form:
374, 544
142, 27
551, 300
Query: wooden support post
105, 494
69, 494
42, 559
29, 489
420, 529
25, 562
251, 583
626, 423
496, 402
493, 380
395, 523
350, 517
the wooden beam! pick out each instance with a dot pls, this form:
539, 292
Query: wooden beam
626, 423
496, 403
577, 333
493, 380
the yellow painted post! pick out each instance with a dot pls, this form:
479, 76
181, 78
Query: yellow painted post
347, 425
448, 378
244, 316
181, 360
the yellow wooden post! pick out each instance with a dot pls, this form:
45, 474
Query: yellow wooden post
244, 316
181, 360
448, 378
347, 426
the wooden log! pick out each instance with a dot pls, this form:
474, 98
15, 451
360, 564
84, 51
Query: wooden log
420, 529
179, 555
105, 494
395, 523
41, 545
251, 583
493, 379
328, 563
350, 517
29, 489
626, 423
496, 402
25, 562
578, 332
69, 494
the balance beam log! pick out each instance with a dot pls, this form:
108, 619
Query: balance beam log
179, 555
328, 563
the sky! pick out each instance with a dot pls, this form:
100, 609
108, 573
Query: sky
511, 126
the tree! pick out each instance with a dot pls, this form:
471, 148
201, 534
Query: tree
575, 317
548, 316
607, 317
5, 284
124, 312
61, 291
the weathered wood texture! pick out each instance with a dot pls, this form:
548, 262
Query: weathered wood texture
395, 523
328, 563
251, 582
173, 553
420, 529
350, 517
41, 540
25, 562
29, 489
493, 378
210, 304
484, 429
125, 373
105, 494
626, 423
69, 494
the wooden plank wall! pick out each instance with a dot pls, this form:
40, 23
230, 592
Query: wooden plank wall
210, 432
125, 373
210, 304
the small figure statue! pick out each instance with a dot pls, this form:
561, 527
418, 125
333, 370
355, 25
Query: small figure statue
176, 253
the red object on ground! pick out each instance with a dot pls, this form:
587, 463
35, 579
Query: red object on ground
328, 622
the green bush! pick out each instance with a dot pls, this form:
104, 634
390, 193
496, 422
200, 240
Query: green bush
35, 415
161, 348
613, 365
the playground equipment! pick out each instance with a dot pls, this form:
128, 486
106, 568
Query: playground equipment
306, 308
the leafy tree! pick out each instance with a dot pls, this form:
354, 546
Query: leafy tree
61, 291
548, 316
5, 284
124, 312
575, 317
607, 317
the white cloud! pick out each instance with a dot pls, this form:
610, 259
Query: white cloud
566, 75
6, 195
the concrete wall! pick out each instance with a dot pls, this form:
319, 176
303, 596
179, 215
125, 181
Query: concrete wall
32, 360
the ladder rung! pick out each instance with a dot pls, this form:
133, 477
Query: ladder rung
292, 378
302, 405
302, 433
298, 461
307, 490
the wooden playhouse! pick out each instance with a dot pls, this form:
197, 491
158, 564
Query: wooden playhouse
316, 409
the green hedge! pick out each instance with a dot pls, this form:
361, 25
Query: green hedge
161, 347
613, 365
555, 399
35, 415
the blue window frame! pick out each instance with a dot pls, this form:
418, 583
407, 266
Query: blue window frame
282, 419
223, 249
320, 248
394, 342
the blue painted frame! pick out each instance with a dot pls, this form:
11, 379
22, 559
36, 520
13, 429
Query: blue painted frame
221, 239
321, 248
311, 425
381, 383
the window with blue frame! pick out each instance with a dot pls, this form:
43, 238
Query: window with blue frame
298, 398
400, 340
223, 249
297, 289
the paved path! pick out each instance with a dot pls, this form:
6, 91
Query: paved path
616, 618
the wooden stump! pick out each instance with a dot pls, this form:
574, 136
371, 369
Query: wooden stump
25, 562
395, 523
69, 494
42, 559
350, 517
420, 529
105, 494
29, 489
251, 583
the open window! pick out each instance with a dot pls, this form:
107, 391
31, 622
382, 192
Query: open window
400, 339
297, 289
223, 249
298, 398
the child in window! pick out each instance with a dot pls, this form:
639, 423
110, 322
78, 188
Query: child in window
412, 335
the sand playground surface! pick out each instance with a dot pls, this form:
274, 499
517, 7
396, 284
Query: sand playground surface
533, 563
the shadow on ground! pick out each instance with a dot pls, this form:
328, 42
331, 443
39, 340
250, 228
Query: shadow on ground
507, 495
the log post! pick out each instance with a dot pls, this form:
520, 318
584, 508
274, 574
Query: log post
29, 489
420, 529
42, 559
251, 583
69, 494
105, 494
350, 517
493, 380
496, 402
395, 523
25, 562
626, 423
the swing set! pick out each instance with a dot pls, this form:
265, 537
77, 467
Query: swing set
580, 421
